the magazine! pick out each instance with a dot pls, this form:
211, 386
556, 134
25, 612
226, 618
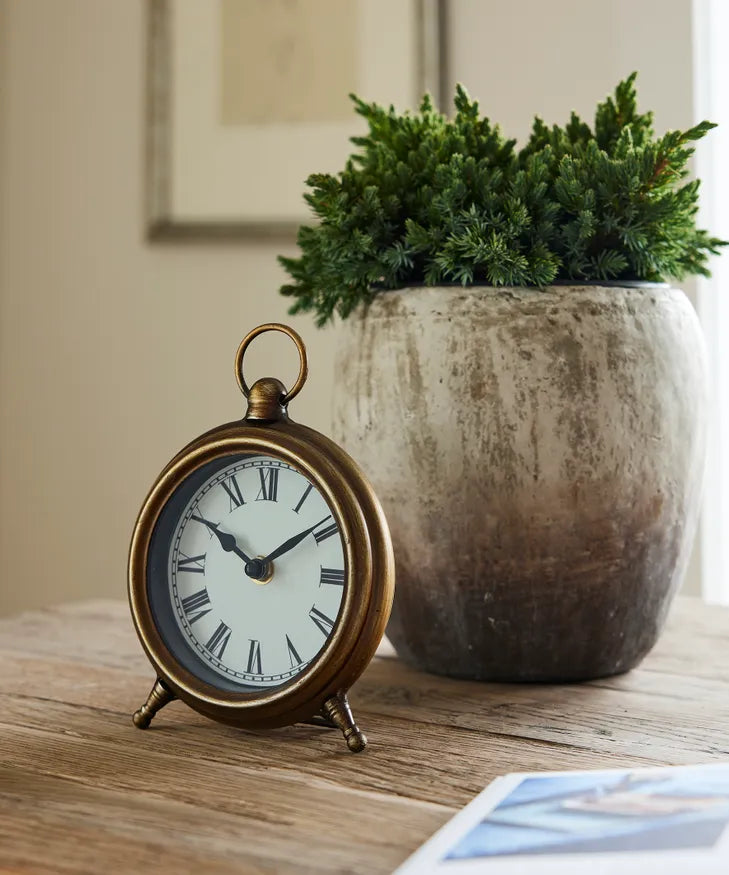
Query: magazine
661, 820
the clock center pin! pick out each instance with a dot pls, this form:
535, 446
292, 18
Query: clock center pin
260, 571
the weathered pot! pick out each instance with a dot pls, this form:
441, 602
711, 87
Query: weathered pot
539, 455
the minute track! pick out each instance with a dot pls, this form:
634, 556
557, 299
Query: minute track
268, 637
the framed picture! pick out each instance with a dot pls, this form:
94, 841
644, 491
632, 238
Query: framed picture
246, 98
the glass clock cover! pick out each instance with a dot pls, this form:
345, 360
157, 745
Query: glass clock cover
246, 573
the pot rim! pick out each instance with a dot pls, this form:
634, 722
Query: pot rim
619, 284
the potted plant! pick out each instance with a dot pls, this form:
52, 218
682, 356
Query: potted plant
523, 387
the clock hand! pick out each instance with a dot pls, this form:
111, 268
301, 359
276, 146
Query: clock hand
292, 542
227, 541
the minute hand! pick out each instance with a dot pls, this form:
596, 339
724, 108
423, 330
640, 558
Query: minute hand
292, 542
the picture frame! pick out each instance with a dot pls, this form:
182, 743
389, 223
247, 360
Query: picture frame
217, 170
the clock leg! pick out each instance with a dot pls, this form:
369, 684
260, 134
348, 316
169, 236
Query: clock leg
157, 699
337, 710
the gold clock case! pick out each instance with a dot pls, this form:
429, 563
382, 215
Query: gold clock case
369, 574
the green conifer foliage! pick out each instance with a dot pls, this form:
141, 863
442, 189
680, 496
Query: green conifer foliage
428, 200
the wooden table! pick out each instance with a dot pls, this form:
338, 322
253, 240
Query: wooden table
82, 790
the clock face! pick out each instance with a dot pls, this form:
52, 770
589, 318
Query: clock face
254, 573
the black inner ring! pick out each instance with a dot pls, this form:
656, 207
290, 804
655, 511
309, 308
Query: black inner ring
158, 587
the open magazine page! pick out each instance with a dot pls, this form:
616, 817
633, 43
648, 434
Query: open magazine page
556, 823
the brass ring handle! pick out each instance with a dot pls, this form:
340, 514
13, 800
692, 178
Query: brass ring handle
262, 329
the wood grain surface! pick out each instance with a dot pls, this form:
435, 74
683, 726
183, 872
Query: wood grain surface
83, 791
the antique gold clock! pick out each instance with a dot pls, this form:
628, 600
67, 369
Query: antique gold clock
261, 571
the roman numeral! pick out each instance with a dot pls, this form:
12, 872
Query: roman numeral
219, 640
294, 657
194, 564
303, 497
269, 484
322, 621
233, 489
195, 602
326, 532
254, 658
334, 576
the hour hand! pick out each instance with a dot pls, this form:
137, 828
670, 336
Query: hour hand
227, 541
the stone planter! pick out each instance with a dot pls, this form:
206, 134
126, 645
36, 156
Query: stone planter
539, 456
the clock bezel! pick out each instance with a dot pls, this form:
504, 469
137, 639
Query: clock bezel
369, 567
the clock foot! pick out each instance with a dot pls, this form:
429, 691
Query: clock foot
337, 711
157, 699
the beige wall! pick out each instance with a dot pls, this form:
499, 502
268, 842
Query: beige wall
548, 57
114, 353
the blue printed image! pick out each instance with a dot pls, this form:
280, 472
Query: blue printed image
605, 812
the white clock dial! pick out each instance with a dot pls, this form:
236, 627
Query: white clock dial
256, 620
